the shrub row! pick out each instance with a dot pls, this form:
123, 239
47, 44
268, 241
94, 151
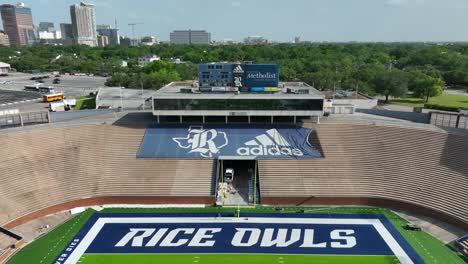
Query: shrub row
443, 107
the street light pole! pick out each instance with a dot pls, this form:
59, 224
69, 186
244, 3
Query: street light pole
142, 97
121, 99
357, 90
334, 81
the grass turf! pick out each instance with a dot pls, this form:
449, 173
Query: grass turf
232, 259
451, 100
50, 246
84, 102
47, 248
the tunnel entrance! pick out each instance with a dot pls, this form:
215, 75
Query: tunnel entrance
237, 182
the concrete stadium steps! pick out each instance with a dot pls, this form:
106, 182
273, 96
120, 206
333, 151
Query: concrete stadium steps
46, 167
422, 167
6, 241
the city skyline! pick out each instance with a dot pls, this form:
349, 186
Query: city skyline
313, 20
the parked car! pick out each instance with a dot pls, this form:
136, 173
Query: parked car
229, 175
56, 81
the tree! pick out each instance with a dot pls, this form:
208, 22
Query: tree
426, 86
391, 83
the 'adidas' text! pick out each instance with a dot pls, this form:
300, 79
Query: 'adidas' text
269, 150
269, 144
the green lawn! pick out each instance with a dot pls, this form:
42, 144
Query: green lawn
50, 246
85, 102
46, 249
450, 100
232, 259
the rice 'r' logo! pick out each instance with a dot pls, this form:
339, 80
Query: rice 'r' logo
206, 142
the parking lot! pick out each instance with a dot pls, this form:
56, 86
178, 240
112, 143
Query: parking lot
12, 95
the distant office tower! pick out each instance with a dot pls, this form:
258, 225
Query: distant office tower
18, 24
102, 41
4, 40
66, 30
52, 34
46, 26
149, 40
190, 37
111, 33
84, 24
129, 42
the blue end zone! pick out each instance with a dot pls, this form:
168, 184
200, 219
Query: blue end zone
368, 240
213, 141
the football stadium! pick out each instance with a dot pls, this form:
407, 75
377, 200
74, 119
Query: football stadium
236, 167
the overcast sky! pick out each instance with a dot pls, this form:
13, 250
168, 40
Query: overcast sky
281, 20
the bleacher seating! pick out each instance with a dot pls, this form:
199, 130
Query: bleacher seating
462, 245
6, 241
417, 166
45, 167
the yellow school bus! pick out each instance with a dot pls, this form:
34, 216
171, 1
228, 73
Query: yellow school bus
53, 97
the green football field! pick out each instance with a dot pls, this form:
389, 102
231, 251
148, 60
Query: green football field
49, 247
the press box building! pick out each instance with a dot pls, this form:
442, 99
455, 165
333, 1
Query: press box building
237, 93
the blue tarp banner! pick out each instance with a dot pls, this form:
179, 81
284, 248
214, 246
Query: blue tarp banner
198, 142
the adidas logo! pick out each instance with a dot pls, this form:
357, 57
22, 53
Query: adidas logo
238, 69
269, 144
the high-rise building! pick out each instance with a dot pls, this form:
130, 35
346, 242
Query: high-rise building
4, 40
111, 33
84, 24
102, 41
46, 26
190, 37
297, 40
18, 24
66, 30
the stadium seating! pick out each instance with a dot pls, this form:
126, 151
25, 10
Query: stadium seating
6, 241
44, 167
416, 166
